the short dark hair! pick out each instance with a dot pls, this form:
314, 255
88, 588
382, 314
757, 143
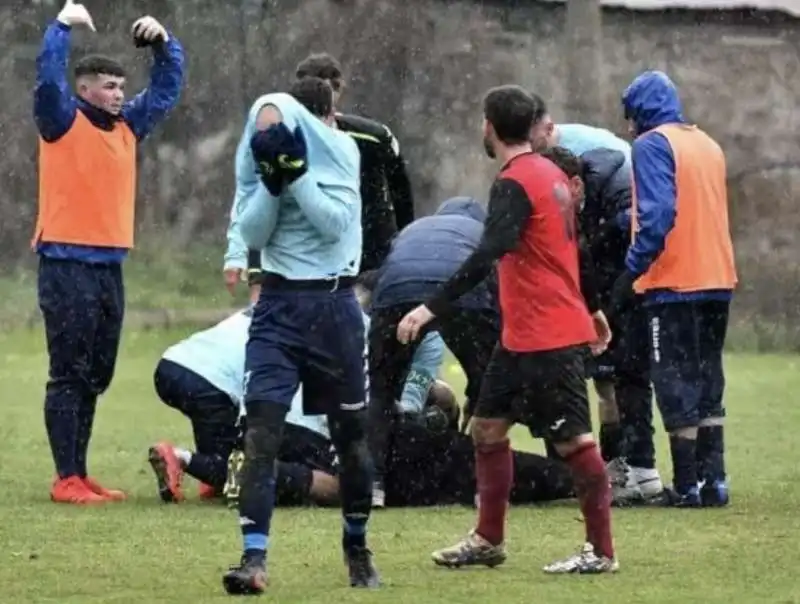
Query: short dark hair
315, 94
539, 107
321, 65
570, 164
95, 65
512, 111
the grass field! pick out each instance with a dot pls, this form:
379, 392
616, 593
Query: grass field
143, 552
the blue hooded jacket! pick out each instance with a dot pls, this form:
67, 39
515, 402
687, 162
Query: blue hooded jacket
651, 101
428, 252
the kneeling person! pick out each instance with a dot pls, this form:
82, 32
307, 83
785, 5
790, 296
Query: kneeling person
203, 378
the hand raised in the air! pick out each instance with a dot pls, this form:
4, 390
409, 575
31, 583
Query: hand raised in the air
75, 14
147, 30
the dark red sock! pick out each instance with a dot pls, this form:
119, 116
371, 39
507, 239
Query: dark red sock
494, 472
594, 494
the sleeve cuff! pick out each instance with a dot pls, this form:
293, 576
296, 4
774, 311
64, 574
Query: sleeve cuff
630, 266
437, 305
235, 264
299, 183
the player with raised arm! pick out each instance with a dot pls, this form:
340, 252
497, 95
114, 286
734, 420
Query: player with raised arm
85, 224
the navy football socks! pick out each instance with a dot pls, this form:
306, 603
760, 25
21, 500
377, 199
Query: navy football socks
711, 454
684, 464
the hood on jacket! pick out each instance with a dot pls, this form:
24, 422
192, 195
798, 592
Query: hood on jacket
651, 101
463, 206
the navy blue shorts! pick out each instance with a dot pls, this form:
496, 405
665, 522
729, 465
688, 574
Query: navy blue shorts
309, 337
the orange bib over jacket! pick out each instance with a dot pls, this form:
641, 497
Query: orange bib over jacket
698, 251
87, 186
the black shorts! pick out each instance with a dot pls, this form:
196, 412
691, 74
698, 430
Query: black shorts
469, 334
629, 330
303, 446
545, 391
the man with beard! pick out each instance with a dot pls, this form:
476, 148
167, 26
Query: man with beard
536, 373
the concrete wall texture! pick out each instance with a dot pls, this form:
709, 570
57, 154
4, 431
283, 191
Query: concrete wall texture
422, 66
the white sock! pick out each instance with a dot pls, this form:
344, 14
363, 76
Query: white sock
184, 455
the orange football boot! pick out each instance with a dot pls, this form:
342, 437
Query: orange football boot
73, 490
168, 471
206, 491
98, 489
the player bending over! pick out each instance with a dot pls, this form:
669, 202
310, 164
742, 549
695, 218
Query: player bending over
424, 255
681, 262
602, 189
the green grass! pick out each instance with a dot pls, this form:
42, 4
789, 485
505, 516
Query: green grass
143, 552
157, 279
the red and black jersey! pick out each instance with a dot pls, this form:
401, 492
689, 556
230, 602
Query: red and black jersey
531, 231
540, 291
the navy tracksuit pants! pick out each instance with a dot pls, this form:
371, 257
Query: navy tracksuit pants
83, 307
686, 342
632, 388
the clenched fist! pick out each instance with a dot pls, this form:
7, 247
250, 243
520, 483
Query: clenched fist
75, 14
147, 30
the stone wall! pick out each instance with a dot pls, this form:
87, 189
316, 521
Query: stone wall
422, 67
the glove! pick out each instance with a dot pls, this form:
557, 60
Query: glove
264, 145
147, 31
75, 14
271, 177
293, 158
622, 294
280, 154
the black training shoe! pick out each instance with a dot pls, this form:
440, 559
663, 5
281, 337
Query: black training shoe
670, 498
361, 569
715, 495
247, 579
